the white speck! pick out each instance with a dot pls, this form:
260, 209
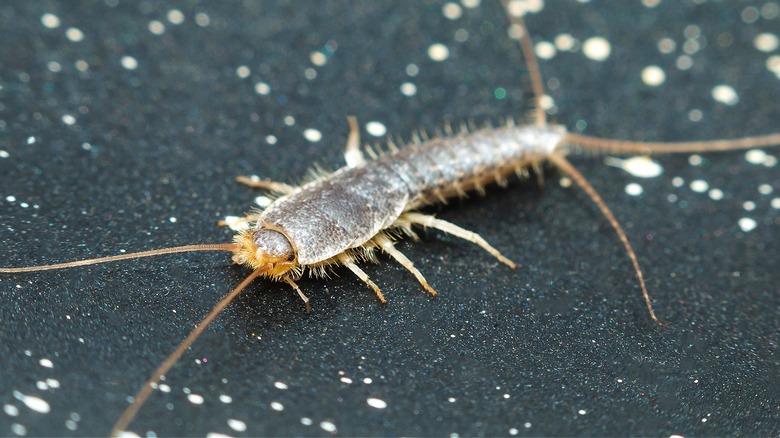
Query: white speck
224, 398
367, 380
641, 166
596, 48
312, 135
545, 49
346, 380
71, 425
156, 27
773, 65
74, 34
11, 410
278, 407
775, 203
438, 52
376, 403
46, 363
164, 388
507, 396
377, 129
237, 425
208, 435
653, 75
172, 220
82, 65
54, 66
271, 139
766, 42
408, 89
202, 19
263, 201
129, 62
452, 399
725, 94
666, 45
716, 194
452, 11
318, 58
471, 4
195, 399
565, 42
262, 88
582, 412
34, 403
634, 189
327, 426
747, 224
306, 421
699, 186
749, 205
41, 385
527, 425
757, 156
695, 115
10, 198
412, 70
19, 429
765, 189
243, 71
50, 20
281, 385
695, 160
676, 436
68, 119
289, 120
175, 16
513, 431
4, 153
684, 62
547, 102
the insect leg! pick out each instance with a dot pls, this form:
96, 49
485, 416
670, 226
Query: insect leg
450, 228
238, 222
388, 247
352, 154
305, 299
347, 261
267, 184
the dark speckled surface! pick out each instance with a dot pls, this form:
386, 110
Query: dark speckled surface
563, 346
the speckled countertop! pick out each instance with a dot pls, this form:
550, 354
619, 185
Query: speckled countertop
123, 124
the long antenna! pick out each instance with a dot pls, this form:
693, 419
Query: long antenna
625, 146
145, 391
567, 168
515, 15
233, 247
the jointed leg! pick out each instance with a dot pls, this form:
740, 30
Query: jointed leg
266, 184
305, 299
347, 261
387, 246
352, 154
450, 228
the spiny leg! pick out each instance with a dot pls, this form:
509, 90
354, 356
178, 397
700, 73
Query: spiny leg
450, 228
303, 297
352, 153
234, 221
567, 168
347, 261
267, 184
387, 246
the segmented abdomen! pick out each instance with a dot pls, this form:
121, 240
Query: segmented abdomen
349, 207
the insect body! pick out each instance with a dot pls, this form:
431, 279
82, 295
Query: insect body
343, 217
356, 206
